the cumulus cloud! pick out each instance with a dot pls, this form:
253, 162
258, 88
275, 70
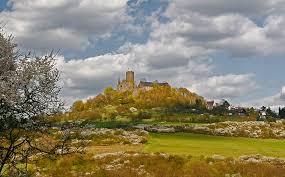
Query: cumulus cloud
82, 78
225, 86
161, 55
63, 24
226, 26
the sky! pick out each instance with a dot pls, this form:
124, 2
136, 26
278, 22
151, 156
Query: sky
224, 49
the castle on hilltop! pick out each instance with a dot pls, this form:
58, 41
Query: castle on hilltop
129, 83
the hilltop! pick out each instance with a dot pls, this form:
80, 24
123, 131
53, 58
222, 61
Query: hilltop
131, 101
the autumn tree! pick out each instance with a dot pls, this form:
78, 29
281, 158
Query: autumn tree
78, 106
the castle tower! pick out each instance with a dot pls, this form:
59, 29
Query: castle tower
127, 84
130, 76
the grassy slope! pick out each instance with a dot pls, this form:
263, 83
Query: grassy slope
196, 145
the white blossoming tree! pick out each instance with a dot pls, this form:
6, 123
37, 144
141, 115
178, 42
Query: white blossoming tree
29, 92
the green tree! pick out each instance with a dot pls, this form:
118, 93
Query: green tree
282, 113
271, 113
226, 104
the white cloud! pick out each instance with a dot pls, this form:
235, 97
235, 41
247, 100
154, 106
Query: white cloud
63, 24
225, 86
82, 78
162, 54
225, 26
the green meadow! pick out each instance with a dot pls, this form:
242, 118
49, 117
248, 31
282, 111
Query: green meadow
197, 145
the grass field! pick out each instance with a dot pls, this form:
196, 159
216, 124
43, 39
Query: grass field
196, 145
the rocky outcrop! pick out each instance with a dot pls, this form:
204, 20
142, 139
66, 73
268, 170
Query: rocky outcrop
104, 136
160, 129
113, 136
262, 159
252, 129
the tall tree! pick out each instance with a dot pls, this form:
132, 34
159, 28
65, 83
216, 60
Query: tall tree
271, 113
282, 113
